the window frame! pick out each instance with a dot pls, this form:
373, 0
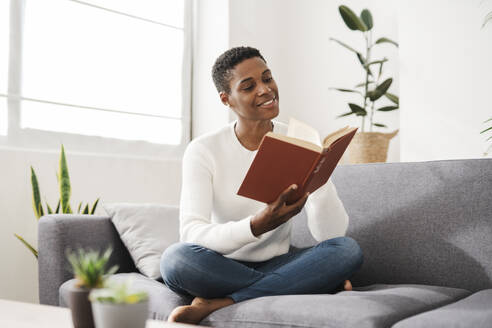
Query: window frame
41, 140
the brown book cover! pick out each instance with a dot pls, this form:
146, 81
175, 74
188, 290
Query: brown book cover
282, 161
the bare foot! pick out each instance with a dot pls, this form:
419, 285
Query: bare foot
199, 309
347, 286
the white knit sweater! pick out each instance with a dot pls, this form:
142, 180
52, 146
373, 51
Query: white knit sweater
214, 216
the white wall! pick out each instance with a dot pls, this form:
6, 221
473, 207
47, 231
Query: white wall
211, 30
114, 179
293, 36
446, 74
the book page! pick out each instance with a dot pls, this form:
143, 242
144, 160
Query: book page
301, 130
332, 137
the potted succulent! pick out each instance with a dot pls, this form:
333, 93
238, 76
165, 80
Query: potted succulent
117, 306
368, 146
90, 271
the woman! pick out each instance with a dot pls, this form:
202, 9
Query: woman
233, 248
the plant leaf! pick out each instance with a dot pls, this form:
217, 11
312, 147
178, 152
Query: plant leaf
78, 208
393, 98
343, 44
366, 17
94, 206
386, 40
36, 196
58, 207
380, 90
346, 114
86, 209
377, 62
359, 111
490, 119
65, 189
486, 130
50, 211
363, 84
387, 108
32, 249
351, 20
380, 125
362, 61
487, 19
346, 90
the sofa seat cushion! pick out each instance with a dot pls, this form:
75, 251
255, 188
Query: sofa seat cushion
371, 306
162, 300
473, 311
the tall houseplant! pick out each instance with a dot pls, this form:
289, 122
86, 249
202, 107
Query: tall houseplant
63, 205
371, 90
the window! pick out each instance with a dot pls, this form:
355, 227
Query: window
115, 69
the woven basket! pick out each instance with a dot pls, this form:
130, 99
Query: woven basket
370, 147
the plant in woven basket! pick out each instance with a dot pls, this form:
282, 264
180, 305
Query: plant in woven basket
373, 88
63, 205
90, 267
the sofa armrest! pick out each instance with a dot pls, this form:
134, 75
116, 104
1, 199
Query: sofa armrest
57, 232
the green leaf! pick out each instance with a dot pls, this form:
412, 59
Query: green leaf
362, 61
366, 17
346, 90
78, 208
36, 195
380, 125
86, 209
343, 44
386, 40
359, 111
363, 84
346, 114
58, 207
387, 108
32, 249
351, 20
50, 211
94, 206
380, 90
65, 189
393, 98
490, 119
486, 130
487, 19
376, 62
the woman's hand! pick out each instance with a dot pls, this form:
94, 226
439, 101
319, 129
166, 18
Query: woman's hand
277, 212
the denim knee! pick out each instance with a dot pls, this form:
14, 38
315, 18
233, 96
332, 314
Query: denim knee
173, 262
351, 251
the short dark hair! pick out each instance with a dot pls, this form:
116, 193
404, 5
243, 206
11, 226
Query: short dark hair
221, 71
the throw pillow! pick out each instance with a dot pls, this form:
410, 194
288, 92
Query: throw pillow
146, 230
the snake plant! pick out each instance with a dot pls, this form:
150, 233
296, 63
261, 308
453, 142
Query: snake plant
372, 88
63, 201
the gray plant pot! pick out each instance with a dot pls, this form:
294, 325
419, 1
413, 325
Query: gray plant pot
107, 315
80, 307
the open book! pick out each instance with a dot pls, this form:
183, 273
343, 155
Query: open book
300, 158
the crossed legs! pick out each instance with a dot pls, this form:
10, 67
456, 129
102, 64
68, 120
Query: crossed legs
217, 281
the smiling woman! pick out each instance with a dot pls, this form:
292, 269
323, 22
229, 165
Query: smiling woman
233, 248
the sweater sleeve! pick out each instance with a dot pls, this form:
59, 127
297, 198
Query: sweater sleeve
326, 214
196, 207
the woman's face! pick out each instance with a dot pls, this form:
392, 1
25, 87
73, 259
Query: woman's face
254, 93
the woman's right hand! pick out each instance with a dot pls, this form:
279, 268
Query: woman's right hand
277, 212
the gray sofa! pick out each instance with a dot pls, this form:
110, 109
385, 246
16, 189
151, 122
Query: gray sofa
425, 229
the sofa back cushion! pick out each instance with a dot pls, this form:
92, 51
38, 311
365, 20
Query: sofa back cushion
418, 223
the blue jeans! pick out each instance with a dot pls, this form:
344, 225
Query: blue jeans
190, 269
